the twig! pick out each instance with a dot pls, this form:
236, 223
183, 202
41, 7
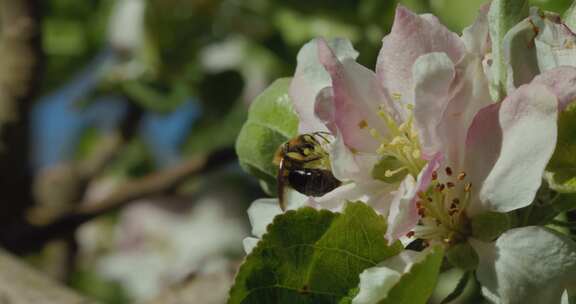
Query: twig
25, 239
19, 283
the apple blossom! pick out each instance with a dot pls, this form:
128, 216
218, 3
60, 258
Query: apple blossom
422, 141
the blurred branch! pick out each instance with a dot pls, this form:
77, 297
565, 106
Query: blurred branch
21, 284
20, 65
23, 239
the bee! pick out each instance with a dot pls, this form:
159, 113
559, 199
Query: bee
304, 165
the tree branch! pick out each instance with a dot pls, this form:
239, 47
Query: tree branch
31, 237
21, 284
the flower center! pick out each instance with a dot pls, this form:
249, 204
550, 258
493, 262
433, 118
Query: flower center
442, 209
400, 147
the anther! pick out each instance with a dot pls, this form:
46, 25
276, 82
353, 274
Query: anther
434, 175
450, 184
410, 234
456, 201
467, 187
362, 124
448, 171
440, 187
461, 175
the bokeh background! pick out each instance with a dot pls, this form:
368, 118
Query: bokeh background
117, 127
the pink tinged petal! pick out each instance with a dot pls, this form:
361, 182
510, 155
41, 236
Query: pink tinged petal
446, 100
337, 198
351, 166
357, 97
310, 77
324, 109
527, 120
403, 215
483, 146
562, 82
476, 37
527, 265
412, 36
433, 77
470, 93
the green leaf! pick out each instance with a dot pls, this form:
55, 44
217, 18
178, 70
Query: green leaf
271, 122
570, 16
561, 171
416, 286
503, 15
313, 256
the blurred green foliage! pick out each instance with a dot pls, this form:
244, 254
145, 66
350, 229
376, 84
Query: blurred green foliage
219, 54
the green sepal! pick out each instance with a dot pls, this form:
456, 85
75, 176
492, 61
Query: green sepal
503, 15
416, 286
561, 170
463, 256
488, 226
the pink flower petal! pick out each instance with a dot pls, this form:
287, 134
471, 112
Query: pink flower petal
562, 82
310, 77
446, 100
527, 133
476, 37
358, 97
411, 37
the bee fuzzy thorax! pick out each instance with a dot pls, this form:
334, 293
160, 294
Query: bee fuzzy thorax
304, 165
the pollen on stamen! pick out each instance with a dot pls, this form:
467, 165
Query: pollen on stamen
440, 187
461, 175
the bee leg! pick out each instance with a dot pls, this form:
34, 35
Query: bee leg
280, 185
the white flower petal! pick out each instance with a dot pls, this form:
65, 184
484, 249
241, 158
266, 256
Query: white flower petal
433, 75
249, 244
527, 265
527, 121
377, 281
